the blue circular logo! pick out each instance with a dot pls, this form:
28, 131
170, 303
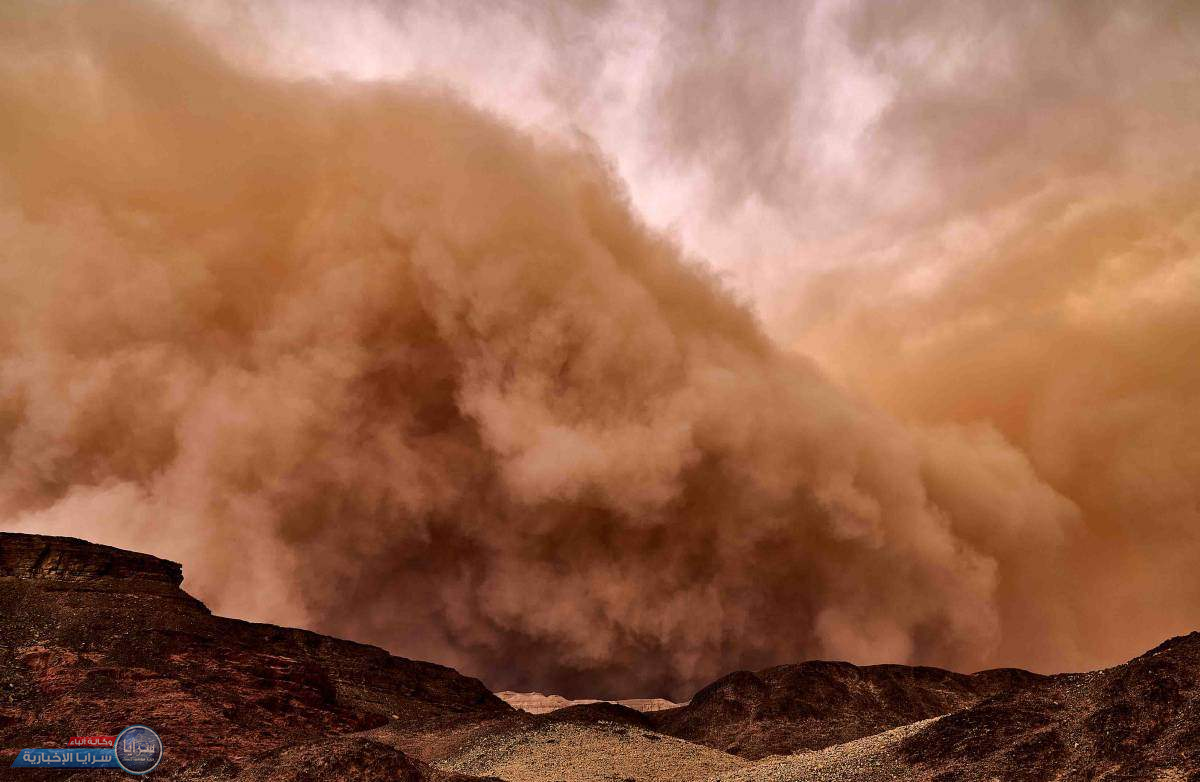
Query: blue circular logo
138, 749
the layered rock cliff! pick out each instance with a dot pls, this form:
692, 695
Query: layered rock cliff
93, 639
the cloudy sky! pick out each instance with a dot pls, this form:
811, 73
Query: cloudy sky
605, 347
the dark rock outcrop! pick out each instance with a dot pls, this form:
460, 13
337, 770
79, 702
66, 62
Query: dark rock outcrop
601, 711
1136, 721
811, 705
77, 562
94, 638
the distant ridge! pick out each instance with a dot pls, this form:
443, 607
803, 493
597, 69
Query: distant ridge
537, 703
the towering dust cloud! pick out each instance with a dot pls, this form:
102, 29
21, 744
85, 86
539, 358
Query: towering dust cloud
1045, 278
369, 360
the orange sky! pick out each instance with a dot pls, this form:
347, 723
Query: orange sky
604, 348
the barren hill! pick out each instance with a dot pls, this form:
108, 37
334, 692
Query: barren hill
1139, 720
812, 705
537, 703
94, 638
1136, 722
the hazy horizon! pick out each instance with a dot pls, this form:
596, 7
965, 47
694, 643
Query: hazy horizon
602, 348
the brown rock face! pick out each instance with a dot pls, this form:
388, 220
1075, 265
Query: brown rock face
1136, 721
601, 711
93, 639
790, 708
70, 560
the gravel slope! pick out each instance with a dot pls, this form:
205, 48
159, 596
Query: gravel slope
869, 759
606, 752
817, 704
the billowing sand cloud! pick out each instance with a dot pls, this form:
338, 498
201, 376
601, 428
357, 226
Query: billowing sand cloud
1045, 278
371, 360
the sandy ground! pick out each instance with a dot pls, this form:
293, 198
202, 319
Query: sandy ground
864, 760
607, 752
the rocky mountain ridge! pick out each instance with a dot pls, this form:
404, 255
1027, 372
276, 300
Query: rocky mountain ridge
94, 638
812, 705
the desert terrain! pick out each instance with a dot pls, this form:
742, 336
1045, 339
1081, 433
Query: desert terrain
93, 638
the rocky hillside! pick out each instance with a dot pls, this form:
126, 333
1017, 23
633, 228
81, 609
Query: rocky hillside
1136, 722
94, 638
1139, 720
811, 705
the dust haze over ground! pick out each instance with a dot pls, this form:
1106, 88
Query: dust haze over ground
405, 361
